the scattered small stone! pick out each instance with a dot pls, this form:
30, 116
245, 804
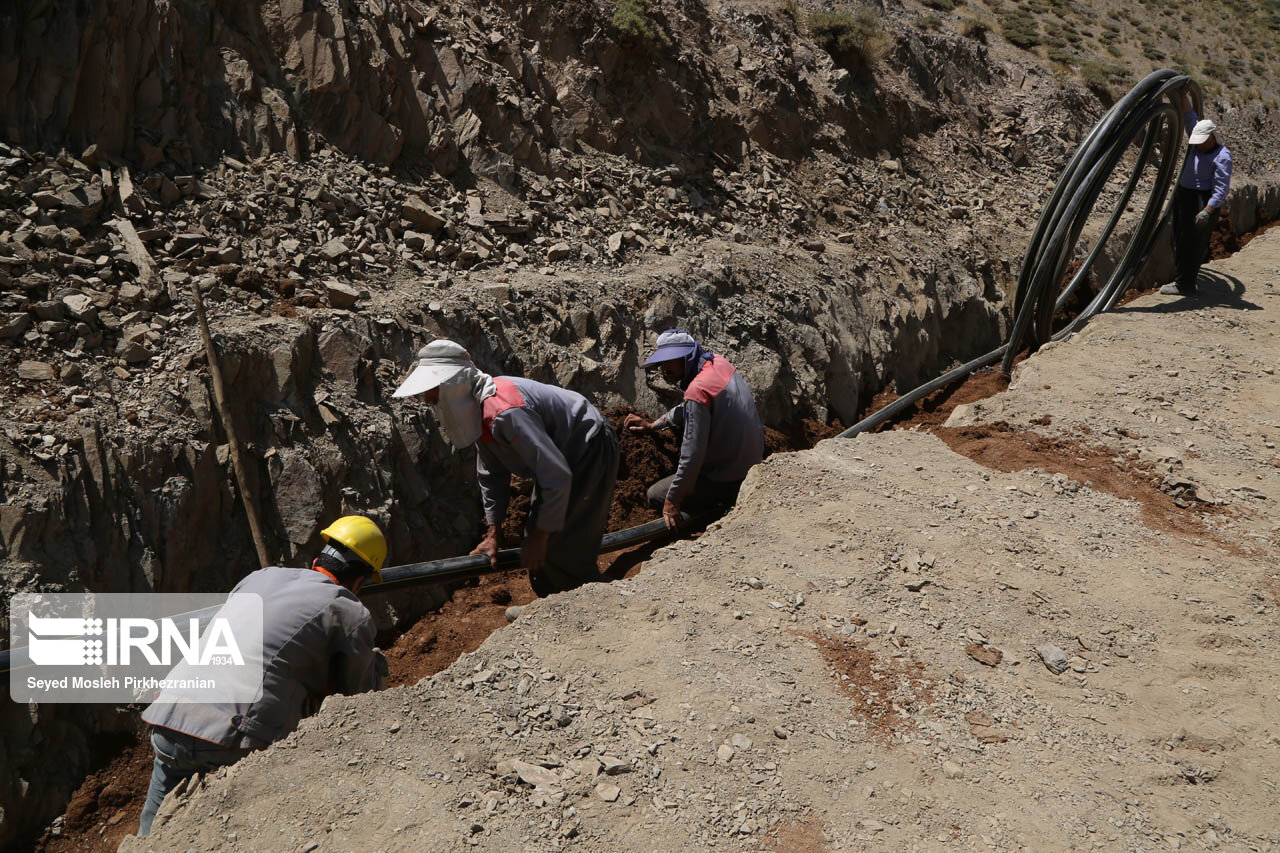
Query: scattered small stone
613, 766
341, 295
608, 793
37, 371
1054, 658
984, 654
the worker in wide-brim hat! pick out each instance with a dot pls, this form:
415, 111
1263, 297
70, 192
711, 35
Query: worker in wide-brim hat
1198, 199
317, 639
530, 429
720, 429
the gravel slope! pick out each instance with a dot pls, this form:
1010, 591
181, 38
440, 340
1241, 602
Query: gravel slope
810, 667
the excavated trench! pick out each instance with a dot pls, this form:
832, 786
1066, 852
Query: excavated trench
444, 623
108, 803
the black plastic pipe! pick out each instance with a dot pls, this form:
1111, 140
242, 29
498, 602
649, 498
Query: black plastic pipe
1150, 111
451, 568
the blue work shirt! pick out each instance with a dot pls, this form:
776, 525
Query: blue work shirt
1206, 170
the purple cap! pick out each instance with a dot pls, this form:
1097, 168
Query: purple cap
672, 343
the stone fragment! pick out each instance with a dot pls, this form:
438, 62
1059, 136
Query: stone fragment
129, 198
952, 770
13, 325
813, 246
1054, 658
608, 793
133, 352
613, 766
724, 754
530, 774
419, 213
984, 654
740, 742
341, 295
334, 249
80, 307
38, 371
615, 243
559, 252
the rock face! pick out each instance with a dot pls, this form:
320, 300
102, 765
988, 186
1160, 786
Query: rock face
184, 81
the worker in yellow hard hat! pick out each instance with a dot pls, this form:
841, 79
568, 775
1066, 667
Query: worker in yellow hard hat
317, 639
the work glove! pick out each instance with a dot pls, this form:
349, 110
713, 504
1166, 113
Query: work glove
1202, 219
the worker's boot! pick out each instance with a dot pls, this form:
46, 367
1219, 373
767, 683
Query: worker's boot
514, 611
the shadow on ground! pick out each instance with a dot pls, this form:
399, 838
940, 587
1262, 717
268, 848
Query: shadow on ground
1213, 289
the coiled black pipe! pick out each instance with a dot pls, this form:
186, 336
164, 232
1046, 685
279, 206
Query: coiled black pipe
1150, 111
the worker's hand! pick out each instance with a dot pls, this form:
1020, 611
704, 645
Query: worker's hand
534, 551
489, 546
671, 514
635, 423
1202, 219
381, 668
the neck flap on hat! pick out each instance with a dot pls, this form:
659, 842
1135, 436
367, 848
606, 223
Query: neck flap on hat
693, 362
459, 410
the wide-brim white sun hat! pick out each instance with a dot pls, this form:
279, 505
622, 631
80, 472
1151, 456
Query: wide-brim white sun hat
438, 362
1202, 131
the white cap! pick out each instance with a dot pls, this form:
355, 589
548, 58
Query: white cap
438, 362
1202, 131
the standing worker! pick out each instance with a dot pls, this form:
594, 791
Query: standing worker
529, 429
1197, 201
722, 433
317, 639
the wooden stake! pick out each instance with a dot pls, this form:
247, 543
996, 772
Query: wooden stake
237, 459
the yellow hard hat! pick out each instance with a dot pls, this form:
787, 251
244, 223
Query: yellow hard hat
361, 536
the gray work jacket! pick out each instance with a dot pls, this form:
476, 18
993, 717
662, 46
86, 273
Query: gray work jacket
317, 639
539, 431
723, 435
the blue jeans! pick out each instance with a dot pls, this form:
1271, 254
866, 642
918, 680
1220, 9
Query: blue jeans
180, 756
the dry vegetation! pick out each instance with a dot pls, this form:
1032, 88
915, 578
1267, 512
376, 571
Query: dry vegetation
1226, 44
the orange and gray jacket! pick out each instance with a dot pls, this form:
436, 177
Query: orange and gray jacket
317, 639
723, 436
533, 430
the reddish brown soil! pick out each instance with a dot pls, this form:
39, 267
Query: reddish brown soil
934, 410
798, 836
1223, 243
1004, 448
106, 806
879, 687
475, 610
799, 436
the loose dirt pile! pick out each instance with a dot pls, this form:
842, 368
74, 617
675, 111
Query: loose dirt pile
106, 807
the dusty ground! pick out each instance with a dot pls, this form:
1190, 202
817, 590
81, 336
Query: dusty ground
849, 659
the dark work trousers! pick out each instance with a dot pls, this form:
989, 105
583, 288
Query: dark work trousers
708, 495
1190, 244
571, 552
